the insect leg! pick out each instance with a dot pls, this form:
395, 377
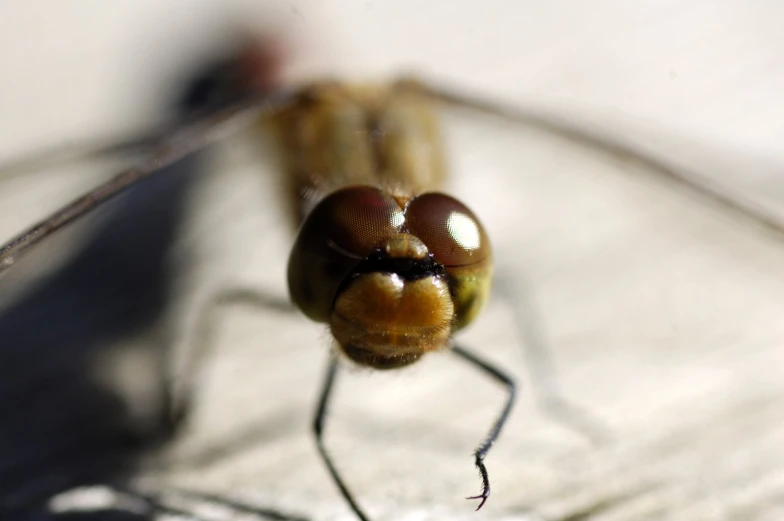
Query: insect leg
155, 505
179, 390
520, 295
156, 502
484, 447
116, 501
318, 430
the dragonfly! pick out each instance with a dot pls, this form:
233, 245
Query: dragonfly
391, 264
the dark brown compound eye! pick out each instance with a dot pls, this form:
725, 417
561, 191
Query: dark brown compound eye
451, 231
458, 242
343, 229
358, 219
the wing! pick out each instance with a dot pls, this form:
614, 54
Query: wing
181, 143
133, 148
603, 137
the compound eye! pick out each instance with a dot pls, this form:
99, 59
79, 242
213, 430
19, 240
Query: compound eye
343, 229
357, 219
451, 231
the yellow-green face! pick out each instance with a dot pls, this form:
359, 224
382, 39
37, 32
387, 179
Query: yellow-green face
393, 277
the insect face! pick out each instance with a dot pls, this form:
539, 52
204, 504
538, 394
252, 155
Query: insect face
393, 277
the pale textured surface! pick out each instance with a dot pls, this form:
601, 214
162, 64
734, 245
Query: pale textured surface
662, 313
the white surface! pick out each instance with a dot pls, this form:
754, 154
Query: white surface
712, 69
663, 314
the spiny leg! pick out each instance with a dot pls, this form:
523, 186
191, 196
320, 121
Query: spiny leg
217, 499
318, 430
156, 506
481, 452
99, 501
520, 295
180, 389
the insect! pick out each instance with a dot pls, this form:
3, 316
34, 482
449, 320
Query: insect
394, 267
391, 265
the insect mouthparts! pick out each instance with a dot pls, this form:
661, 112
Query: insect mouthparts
406, 267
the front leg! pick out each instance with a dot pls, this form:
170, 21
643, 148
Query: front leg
511, 389
179, 391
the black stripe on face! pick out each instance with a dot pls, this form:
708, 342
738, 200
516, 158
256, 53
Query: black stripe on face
406, 268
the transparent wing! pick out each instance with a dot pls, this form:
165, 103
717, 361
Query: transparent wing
168, 151
602, 137
57, 157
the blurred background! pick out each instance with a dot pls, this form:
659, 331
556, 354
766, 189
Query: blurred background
661, 312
